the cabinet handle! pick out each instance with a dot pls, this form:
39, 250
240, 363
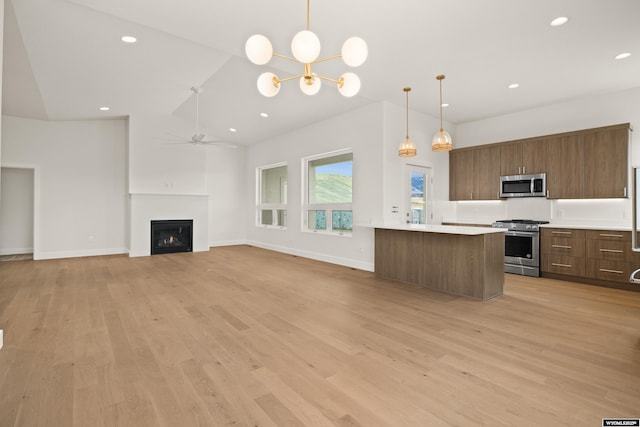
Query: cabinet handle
547, 193
611, 235
611, 271
615, 251
519, 170
625, 191
524, 170
562, 246
561, 265
562, 232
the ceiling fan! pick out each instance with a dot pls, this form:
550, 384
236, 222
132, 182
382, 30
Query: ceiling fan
200, 138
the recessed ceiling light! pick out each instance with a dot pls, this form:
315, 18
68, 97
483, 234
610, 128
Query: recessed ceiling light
623, 55
104, 108
445, 105
129, 39
233, 129
513, 85
265, 115
561, 20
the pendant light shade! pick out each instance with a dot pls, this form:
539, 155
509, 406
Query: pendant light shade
441, 140
305, 47
407, 148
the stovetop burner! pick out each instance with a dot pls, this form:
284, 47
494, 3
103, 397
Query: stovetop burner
519, 224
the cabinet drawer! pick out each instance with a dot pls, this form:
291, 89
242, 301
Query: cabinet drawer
569, 265
608, 235
614, 271
608, 249
562, 232
563, 246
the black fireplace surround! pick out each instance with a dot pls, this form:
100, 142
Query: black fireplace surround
171, 236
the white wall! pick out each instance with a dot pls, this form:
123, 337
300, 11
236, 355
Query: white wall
226, 187
360, 130
16, 211
81, 202
596, 111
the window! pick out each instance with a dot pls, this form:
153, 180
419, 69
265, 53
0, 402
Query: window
329, 189
272, 196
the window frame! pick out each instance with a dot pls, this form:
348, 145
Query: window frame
329, 208
273, 207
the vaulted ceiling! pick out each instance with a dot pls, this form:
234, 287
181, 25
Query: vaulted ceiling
64, 59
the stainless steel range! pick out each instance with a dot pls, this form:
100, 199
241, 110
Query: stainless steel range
521, 246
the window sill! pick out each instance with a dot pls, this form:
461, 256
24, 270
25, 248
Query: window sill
330, 233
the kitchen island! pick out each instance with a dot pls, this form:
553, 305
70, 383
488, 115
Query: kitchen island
466, 261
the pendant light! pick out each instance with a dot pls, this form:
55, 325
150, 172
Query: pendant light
441, 140
407, 148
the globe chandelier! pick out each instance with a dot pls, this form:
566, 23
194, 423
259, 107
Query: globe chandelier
305, 48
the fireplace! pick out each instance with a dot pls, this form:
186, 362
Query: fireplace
171, 236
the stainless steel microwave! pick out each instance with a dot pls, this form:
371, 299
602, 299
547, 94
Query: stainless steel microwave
531, 185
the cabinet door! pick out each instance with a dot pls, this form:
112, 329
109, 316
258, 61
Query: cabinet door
605, 163
486, 173
534, 155
460, 174
565, 166
510, 159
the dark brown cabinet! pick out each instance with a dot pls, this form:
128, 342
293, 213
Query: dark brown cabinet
461, 174
597, 257
523, 157
585, 164
605, 163
486, 173
474, 173
565, 167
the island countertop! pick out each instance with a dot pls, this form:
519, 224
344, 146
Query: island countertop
444, 229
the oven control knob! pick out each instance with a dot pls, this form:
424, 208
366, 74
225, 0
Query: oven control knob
528, 227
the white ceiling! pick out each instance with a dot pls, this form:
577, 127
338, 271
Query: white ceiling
64, 59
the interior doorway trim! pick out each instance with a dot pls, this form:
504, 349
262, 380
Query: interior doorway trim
36, 202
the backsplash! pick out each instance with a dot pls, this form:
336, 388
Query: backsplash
605, 212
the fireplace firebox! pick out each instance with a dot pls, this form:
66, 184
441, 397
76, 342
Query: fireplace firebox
171, 236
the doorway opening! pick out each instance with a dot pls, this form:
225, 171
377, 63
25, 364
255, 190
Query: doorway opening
419, 194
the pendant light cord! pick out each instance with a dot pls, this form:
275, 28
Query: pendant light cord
407, 92
441, 128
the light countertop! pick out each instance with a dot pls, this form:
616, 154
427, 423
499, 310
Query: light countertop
443, 229
587, 226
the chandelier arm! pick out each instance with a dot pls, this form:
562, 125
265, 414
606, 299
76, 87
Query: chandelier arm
329, 58
329, 79
290, 58
308, 1
290, 78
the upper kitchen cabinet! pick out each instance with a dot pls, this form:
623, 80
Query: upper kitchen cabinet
486, 173
522, 157
588, 164
474, 173
565, 166
461, 174
606, 162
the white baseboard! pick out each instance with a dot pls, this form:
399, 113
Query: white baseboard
227, 243
353, 263
80, 253
16, 251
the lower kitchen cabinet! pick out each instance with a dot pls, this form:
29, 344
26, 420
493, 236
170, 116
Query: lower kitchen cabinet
597, 257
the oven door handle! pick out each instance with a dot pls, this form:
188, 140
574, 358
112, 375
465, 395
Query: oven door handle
520, 233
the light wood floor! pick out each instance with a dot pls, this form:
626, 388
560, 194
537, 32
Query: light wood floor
246, 337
